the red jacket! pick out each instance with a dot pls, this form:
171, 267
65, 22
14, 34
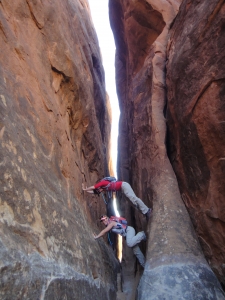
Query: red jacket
114, 186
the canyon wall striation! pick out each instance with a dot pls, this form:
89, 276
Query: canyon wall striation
196, 123
54, 136
176, 267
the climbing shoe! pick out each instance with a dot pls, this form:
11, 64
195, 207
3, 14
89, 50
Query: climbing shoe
148, 214
144, 237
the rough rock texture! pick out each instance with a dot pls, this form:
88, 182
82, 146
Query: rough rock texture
176, 267
54, 135
196, 120
136, 25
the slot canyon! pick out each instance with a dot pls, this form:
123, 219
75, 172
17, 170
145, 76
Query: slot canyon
55, 123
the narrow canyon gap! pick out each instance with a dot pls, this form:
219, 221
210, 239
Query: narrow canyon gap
54, 135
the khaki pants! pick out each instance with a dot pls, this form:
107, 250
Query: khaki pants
132, 241
129, 193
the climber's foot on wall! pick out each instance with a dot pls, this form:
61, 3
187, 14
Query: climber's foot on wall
148, 214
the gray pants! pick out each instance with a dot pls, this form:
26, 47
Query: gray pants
132, 241
129, 193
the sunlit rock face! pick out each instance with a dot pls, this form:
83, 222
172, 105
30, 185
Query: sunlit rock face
54, 135
175, 267
196, 122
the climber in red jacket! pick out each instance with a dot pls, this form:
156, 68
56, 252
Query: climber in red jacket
132, 240
114, 185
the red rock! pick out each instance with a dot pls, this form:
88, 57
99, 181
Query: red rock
54, 135
195, 80
173, 251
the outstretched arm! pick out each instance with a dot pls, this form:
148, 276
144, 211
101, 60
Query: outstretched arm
90, 192
88, 189
108, 228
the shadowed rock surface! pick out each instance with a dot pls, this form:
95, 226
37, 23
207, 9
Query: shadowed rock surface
196, 123
176, 267
54, 135
136, 24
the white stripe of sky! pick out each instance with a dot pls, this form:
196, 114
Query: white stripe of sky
100, 17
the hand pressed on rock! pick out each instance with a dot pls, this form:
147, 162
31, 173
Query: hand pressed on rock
83, 188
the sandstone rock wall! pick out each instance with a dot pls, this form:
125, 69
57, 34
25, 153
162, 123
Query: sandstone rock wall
176, 267
196, 110
135, 25
54, 135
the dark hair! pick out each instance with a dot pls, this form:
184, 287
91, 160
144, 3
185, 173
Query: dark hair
96, 192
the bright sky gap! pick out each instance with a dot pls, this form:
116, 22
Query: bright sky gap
100, 17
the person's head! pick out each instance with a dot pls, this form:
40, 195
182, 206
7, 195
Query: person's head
98, 191
104, 219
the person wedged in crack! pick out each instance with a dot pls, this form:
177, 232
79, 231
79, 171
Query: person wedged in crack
132, 239
114, 185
